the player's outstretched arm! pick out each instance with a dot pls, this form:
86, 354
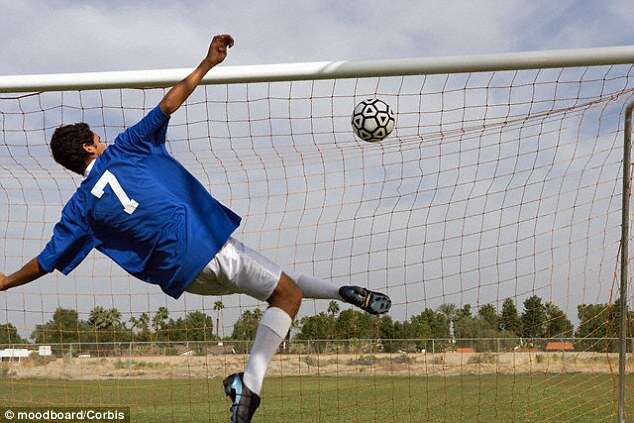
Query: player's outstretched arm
29, 272
179, 92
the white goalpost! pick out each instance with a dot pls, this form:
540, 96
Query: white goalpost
502, 188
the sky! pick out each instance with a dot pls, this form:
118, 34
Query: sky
69, 36
81, 36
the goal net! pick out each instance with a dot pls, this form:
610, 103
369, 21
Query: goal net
491, 216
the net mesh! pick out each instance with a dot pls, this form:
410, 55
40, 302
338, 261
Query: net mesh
493, 186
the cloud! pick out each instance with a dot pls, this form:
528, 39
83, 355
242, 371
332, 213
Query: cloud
62, 36
584, 24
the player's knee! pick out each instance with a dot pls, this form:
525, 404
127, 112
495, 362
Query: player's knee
295, 293
292, 293
287, 295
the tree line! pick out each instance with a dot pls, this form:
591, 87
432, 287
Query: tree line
480, 329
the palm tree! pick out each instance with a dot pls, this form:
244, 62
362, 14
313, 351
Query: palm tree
451, 314
333, 308
448, 310
101, 318
142, 326
159, 321
295, 325
107, 327
218, 306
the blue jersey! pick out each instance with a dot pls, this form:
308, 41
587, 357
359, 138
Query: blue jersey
144, 210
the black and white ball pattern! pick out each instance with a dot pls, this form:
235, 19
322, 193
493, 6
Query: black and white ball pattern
372, 120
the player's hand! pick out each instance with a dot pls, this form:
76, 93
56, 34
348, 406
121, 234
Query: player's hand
218, 48
4, 282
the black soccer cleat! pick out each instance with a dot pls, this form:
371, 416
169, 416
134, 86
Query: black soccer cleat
245, 402
370, 301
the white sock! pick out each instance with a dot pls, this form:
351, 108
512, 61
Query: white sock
271, 332
315, 288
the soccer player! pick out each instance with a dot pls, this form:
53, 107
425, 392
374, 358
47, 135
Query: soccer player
141, 208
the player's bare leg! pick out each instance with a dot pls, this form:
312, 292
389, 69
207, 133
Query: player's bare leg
244, 388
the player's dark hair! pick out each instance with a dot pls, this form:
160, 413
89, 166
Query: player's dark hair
67, 146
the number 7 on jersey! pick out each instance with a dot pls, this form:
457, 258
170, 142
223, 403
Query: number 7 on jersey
129, 205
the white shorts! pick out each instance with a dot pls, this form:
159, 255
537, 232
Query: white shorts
237, 269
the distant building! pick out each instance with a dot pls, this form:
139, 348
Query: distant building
9, 354
44, 350
559, 346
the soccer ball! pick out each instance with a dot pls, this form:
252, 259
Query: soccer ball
372, 120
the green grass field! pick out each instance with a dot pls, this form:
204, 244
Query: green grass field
473, 398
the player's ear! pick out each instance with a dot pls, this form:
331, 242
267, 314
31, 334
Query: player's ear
90, 148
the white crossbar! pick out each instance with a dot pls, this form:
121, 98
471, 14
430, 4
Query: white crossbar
322, 70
